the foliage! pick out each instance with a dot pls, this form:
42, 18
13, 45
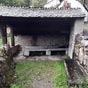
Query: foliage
83, 83
35, 3
15, 86
38, 3
27, 2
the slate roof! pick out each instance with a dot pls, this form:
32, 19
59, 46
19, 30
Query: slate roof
39, 12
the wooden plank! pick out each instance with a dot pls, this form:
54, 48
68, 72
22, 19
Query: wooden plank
12, 38
38, 49
4, 35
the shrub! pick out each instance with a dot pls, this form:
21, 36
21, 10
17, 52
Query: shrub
15, 86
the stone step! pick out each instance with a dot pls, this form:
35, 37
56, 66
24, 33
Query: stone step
47, 52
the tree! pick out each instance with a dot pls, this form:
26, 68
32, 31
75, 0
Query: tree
27, 2
34, 3
38, 3
8, 2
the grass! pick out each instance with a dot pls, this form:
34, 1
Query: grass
0, 41
51, 71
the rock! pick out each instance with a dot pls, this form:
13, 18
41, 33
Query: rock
48, 52
2, 59
84, 42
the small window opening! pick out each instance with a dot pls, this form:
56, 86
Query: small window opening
37, 53
58, 53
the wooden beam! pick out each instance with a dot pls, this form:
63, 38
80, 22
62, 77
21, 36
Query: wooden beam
4, 35
12, 37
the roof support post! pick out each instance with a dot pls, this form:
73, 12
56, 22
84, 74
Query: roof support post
12, 37
4, 34
76, 29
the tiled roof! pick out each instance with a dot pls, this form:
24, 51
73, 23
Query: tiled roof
39, 12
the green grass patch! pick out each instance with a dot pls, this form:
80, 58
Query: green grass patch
0, 41
52, 72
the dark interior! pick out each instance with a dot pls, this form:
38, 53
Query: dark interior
42, 26
39, 25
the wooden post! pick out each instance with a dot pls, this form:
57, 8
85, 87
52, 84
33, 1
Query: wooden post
12, 37
4, 35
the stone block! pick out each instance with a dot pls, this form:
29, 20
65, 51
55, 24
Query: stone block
26, 53
48, 52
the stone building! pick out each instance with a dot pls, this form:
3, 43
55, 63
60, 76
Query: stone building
42, 30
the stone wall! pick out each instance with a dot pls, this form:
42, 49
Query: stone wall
49, 41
